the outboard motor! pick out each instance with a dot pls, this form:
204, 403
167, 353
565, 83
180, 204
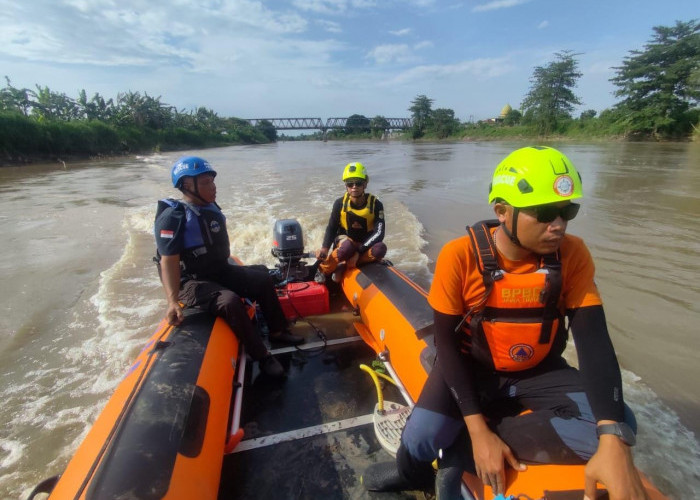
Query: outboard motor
288, 248
299, 294
287, 240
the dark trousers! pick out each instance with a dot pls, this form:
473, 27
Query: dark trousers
221, 295
559, 427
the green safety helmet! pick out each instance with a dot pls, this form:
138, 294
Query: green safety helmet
355, 170
533, 176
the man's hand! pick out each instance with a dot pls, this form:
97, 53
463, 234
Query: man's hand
174, 314
489, 454
170, 276
612, 466
352, 261
322, 253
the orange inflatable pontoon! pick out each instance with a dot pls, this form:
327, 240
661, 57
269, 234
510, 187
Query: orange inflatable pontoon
162, 433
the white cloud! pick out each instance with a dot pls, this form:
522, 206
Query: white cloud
104, 34
330, 26
480, 68
321, 6
364, 4
498, 4
333, 6
423, 45
402, 32
385, 54
422, 3
543, 25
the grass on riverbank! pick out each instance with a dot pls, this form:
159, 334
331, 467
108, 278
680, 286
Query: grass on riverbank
24, 139
595, 129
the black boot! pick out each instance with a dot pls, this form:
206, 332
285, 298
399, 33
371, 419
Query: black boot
271, 367
384, 476
286, 337
448, 483
452, 463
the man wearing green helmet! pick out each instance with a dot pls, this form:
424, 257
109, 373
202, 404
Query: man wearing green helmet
500, 393
355, 228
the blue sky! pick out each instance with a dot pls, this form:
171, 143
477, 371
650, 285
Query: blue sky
323, 58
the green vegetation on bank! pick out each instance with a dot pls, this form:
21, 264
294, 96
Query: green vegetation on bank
659, 89
44, 124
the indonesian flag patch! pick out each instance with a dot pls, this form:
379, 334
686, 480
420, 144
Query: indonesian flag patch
166, 233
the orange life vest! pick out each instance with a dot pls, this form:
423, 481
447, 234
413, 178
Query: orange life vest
515, 324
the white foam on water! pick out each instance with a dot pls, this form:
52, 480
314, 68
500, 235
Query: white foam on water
154, 158
12, 452
141, 220
405, 243
40, 393
661, 438
253, 210
113, 326
129, 299
39, 423
58, 405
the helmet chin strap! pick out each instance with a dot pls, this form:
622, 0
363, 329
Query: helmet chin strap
194, 194
513, 236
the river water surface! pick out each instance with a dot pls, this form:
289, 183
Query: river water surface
80, 294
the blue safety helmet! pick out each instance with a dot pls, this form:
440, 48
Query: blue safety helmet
189, 166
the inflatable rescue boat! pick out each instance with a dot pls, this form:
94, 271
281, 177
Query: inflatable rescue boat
193, 419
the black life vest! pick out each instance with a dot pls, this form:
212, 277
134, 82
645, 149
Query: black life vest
206, 242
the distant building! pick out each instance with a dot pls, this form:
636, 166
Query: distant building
504, 112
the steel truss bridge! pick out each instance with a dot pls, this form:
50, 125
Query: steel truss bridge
331, 123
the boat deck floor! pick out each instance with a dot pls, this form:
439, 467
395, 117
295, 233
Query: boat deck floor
310, 435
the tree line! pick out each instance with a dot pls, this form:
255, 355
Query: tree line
41, 123
658, 87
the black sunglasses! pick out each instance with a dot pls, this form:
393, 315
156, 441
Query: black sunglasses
548, 213
355, 184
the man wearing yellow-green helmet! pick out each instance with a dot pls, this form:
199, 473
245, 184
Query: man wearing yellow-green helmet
355, 228
500, 394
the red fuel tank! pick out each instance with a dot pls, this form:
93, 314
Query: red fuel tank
303, 299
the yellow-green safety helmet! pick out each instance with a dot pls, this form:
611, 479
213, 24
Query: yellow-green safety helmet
535, 175
355, 170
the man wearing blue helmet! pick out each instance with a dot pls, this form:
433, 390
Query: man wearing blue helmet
193, 252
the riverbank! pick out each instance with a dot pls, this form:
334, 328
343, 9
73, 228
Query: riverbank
496, 132
24, 139
24, 160
19, 160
